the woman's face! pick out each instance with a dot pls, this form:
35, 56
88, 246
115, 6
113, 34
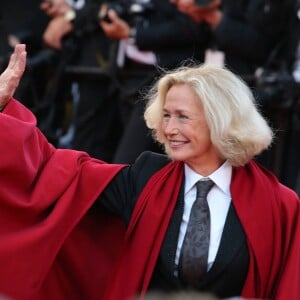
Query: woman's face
187, 136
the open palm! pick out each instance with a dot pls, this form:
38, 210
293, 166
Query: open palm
11, 76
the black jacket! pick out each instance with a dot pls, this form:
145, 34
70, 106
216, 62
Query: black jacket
251, 31
228, 272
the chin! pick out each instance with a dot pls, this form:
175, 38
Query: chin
177, 156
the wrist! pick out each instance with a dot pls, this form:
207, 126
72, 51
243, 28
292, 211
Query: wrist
215, 19
132, 36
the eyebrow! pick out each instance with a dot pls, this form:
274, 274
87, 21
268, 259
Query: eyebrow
178, 111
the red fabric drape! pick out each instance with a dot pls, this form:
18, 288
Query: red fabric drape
269, 213
145, 234
51, 248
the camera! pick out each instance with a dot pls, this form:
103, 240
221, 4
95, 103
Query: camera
129, 11
275, 87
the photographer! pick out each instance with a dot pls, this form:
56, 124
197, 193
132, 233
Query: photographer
246, 32
159, 37
279, 83
25, 25
74, 31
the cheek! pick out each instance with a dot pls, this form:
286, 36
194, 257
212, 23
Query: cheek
201, 136
162, 126
162, 130
160, 133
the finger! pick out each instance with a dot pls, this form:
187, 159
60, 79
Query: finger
113, 16
17, 62
18, 57
21, 61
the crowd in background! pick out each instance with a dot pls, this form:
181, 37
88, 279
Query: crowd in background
89, 63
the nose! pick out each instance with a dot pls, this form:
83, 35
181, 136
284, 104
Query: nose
171, 126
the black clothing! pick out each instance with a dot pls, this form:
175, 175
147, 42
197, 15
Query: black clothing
228, 272
96, 122
174, 39
250, 31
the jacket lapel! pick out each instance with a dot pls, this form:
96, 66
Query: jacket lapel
232, 240
170, 243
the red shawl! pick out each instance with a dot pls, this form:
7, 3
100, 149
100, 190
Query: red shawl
51, 248
269, 213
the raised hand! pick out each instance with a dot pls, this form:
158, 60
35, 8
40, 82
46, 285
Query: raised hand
54, 8
10, 78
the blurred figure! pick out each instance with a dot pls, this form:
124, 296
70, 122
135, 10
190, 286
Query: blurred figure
287, 82
245, 32
192, 295
74, 30
26, 26
150, 39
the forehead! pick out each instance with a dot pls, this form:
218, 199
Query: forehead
182, 96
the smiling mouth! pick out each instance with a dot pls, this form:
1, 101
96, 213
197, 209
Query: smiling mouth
176, 143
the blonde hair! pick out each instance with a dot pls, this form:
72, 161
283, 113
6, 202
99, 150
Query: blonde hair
237, 128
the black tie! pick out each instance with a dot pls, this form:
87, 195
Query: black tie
194, 252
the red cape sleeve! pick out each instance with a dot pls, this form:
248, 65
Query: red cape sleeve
51, 245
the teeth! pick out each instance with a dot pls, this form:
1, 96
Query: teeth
176, 143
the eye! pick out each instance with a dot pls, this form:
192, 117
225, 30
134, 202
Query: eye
166, 115
183, 117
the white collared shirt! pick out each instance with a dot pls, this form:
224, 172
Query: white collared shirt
130, 50
218, 198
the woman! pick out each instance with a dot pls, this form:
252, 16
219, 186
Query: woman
50, 201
